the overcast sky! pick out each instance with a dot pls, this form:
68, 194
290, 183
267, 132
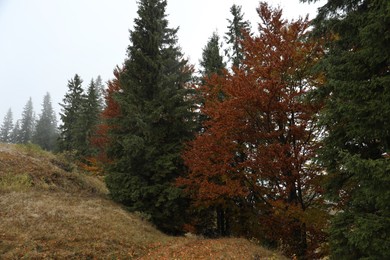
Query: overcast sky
43, 43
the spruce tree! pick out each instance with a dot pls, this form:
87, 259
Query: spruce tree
90, 115
357, 119
6, 128
212, 64
46, 127
27, 123
212, 60
100, 91
235, 34
71, 129
154, 122
15, 135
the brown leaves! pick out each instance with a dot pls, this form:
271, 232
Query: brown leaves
260, 138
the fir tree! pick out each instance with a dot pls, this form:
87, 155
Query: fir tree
357, 118
15, 135
236, 30
27, 123
154, 121
212, 64
6, 128
72, 135
212, 60
90, 115
46, 128
100, 91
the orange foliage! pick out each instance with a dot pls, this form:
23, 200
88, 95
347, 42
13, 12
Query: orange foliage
260, 139
112, 110
92, 165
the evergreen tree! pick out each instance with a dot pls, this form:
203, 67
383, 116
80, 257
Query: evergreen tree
27, 123
357, 118
6, 128
72, 135
15, 135
154, 121
212, 60
90, 116
46, 128
236, 29
212, 64
100, 91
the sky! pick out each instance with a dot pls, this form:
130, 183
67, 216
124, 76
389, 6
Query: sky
44, 43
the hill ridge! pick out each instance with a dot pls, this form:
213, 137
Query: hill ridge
51, 210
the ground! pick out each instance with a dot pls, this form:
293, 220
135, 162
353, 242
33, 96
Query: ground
50, 210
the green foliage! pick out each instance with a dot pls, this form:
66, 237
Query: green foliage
31, 149
212, 60
6, 128
46, 127
15, 182
90, 116
15, 135
80, 116
235, 35
154, 121
27, 123
357, 120
71, 130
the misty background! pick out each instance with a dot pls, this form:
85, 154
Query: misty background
44, 43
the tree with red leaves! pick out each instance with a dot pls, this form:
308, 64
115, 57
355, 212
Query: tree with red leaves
111, 111
255, 157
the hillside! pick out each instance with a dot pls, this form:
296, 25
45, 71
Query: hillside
49, 210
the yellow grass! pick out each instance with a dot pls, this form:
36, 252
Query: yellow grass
48, 211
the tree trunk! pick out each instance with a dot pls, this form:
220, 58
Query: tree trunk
220, 221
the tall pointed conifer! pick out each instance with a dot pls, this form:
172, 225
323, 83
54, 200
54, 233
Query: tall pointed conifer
71, 131
6, 127
27, 123
154, 122
357, 118
212, 60
235, 35
45, 134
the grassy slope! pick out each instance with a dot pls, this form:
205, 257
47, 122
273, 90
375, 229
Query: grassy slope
48, 210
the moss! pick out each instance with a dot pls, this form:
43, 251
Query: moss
15, 182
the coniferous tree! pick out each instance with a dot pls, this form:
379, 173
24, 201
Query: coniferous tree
27, 123
46, 127
90, 116
357, 118
6, 128
236, 30
72, 135
154, 121
101, 141
15, 136
100, 91
212, 65
212, 60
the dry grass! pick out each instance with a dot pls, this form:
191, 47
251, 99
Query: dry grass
60, 225
49, 211
227, 248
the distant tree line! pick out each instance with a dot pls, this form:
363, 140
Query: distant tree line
79, 116
282, 136
41, 130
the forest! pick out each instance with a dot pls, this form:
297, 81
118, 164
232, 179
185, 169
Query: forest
281, 137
